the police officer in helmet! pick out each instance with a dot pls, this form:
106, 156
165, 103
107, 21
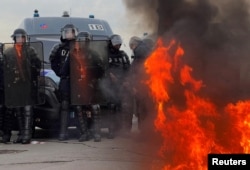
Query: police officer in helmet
141, 49
59, 59
81, 39
86, 71
25, 74
119, 65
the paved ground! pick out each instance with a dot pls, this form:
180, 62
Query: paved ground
47, 153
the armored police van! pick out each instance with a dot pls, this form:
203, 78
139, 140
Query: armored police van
47, 30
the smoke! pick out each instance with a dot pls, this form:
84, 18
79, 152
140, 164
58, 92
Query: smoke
215, 37
142, 16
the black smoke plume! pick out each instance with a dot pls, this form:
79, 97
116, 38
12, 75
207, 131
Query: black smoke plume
215, 36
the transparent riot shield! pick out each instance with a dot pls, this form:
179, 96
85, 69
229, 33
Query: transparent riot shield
21, 71
88, 63
1, 76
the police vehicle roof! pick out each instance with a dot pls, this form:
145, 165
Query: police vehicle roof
48, 29
53, 25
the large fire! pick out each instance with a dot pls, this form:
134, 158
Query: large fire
198, 128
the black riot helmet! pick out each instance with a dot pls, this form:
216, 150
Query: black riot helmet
83, 39
19, 35
84, 36
69, 32
115, 43
116, 40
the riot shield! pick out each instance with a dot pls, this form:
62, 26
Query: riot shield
21, 71
1, 75
88, 63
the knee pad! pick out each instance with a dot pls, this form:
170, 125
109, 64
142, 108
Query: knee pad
28, 110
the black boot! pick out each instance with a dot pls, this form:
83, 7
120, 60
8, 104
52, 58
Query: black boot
7, 125
28, 123
64, 121
96, 122
126, 116
6, 138
141, 115
20, 123
82, 120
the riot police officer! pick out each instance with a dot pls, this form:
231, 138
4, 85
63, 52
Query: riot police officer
86, 69
60, 63
59, 59
119, 65
141, 50
21, 71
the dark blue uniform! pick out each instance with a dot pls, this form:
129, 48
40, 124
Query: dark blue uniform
119, 65
60, 64
141, 52
59, 59
87, 69
20, 89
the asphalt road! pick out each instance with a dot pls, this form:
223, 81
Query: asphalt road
125, 152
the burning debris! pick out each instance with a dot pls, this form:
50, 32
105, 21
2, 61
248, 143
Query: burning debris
198, 76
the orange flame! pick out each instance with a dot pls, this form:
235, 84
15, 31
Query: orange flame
81, 65
18, 48
191, 133
162, 73
240, 125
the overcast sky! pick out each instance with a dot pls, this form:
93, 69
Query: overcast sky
113, 11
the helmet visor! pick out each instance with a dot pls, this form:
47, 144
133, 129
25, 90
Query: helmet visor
69, 33
20, 38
